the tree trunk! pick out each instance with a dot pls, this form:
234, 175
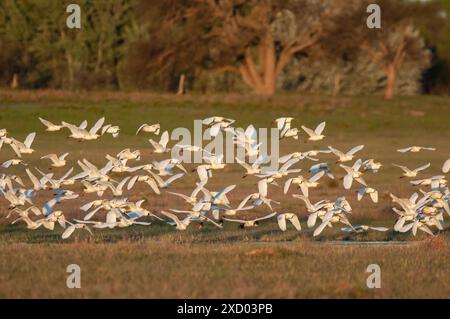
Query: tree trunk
15, 81
391, 74
69, 61
70, 69
337, 85
181, 89
99, 61
269, 64
262, 78
260, 75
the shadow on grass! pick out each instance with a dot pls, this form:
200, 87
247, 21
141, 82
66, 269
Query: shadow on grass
207, 234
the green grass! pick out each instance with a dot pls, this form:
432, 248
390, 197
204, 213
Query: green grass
229, 256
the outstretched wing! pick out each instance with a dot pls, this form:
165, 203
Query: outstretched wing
224, 191
132, 182
105, 128
282, 221
63, 156
403, 168
234, 220
214, 130
69, 231
140, 128
348, 181
202, 174
294, 220
16, 149
308, 131
36, 184
164, 139
289, 164
446, 166
285, 158
83, 125
122, 183
29, 140
155, 145
404, 150
336, 152
266, 217
355, 149
262, 187
97, 126
312, 220
321, 227
66, 175
243, 164
46, 123
52, 157
287, 184
186, 198
421, 168
319, 129
174, 177
317, 176
374, 196
171, 216
208, 120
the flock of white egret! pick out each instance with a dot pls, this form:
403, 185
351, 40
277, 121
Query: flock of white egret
424, 210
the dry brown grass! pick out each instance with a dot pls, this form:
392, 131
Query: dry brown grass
145, 269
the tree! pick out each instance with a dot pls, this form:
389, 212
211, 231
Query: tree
16, 31
39, 49
267, 50
238, 36
397, 40
435, 26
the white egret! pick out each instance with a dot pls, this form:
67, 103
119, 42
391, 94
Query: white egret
251, 222
161, 146
353, 173
315, 135
411, 173
446, 166
348, 156
13, 162
50, 127
57, 161
80, 133
373, 193
281, 218
415, 149
363, 228
147, 128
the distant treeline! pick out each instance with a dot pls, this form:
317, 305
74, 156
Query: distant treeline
260, 46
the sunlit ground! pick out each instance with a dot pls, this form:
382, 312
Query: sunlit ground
158, 261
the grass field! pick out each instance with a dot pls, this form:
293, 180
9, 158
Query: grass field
158, 261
